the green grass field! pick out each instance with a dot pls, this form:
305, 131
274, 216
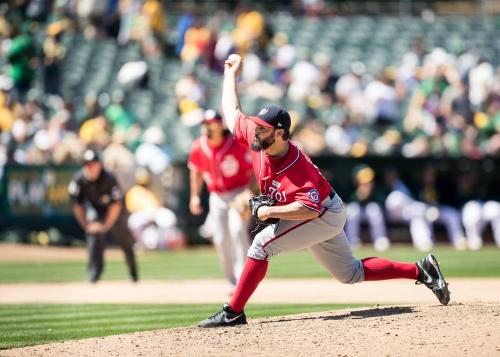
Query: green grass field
25, 325
202, 263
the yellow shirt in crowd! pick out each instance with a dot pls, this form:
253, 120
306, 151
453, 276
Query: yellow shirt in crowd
6, 117
139, 198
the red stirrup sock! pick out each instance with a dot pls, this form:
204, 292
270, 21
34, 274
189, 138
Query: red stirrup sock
253, 273
383, 269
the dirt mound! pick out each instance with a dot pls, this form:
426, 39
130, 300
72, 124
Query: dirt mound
429, 330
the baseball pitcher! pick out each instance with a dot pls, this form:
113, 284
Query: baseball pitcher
303, 210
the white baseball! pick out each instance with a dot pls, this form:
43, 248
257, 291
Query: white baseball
234, 58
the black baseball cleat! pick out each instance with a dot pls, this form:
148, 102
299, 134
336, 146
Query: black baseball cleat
225, 317
431, 276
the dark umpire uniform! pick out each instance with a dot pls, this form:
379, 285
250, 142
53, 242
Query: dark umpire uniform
98, 207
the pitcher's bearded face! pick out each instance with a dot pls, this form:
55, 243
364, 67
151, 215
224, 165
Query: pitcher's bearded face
263, 138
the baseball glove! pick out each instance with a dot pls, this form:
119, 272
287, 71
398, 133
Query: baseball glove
259, 201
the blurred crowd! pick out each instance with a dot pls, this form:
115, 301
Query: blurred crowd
40, 125
431, 104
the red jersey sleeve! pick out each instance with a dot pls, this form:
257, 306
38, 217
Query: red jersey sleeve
244, 129
309, 197
195, 159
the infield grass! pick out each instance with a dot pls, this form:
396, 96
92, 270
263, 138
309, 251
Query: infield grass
203, 263
25, 325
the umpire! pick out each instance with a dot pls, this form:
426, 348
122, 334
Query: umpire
98, 207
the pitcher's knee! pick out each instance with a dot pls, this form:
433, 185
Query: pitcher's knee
353, 275
348, 279
259, 249
256, 251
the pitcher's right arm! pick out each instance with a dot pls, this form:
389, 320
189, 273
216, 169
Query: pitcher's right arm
230, 101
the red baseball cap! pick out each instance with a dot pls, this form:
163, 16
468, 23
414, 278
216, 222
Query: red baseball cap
212, 116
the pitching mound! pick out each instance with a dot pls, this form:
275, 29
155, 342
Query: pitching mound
428, 330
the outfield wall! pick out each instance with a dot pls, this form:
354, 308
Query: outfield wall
35, 197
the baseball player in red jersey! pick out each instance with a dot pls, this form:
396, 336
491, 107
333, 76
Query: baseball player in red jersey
311, 215
225, 166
